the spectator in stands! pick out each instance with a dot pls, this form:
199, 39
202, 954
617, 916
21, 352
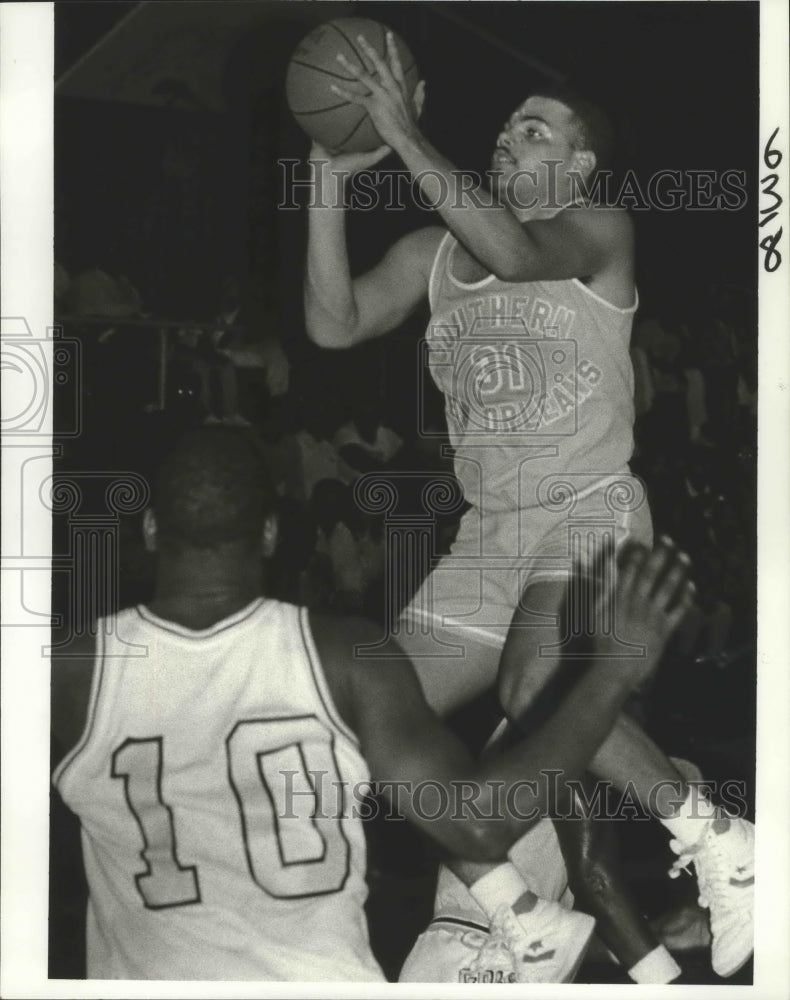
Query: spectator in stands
195, 349
364, 442
348, 565
254, 346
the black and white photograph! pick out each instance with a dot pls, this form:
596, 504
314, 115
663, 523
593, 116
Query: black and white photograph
395, 497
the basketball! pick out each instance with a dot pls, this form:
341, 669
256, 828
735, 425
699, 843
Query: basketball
339, 125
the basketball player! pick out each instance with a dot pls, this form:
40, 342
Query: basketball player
532, 296
220, 742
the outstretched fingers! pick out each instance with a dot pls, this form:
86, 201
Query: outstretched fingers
396, 66
360, 73
659, 580
653, 568
684, 601
604, 579
630, 567
350, 95
387, 79
676, 567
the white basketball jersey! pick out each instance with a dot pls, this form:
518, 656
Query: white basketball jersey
216, 786
537, 380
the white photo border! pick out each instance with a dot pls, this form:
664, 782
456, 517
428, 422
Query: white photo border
26, 186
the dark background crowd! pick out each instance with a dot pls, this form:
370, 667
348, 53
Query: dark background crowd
180, 279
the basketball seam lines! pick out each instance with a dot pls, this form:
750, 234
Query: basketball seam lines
320, 69
320, 111
337, 76
354, 49
345, 138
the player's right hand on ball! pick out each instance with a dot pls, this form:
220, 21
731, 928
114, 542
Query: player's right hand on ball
392, 110
640, 605
324, 159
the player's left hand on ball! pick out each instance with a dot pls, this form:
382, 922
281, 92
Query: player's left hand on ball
323, 159
386, 101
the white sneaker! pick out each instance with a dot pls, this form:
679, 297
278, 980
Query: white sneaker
495, 962
547, 944
724, 863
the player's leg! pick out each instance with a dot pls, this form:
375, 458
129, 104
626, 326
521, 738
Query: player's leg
594, 873
589, 846
470, 941
457, 946
455, 625
531, 889
529, 670
722, 848
454, 666
628, 758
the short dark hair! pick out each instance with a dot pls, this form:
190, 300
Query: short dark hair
212, 488
595, 128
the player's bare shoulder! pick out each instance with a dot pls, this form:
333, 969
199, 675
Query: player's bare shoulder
608, 225
335, 641
353, 676
608, 234
619, 225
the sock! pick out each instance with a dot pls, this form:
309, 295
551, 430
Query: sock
689, 823
502, 886
657, 967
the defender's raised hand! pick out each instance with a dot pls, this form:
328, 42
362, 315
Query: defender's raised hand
639, 604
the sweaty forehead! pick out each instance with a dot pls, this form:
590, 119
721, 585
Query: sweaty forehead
555, 113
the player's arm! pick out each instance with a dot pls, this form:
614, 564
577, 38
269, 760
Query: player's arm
406, 744
578, 242
575, 243
341, 311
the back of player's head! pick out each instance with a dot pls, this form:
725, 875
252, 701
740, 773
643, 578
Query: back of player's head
212, 488
594, 127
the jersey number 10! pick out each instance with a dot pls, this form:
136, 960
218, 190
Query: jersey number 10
293, 845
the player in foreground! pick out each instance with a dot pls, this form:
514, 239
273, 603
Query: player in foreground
532, 297
220, 743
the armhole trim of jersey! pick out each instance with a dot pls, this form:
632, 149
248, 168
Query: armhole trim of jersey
319, 680
93, 704
432, 278
624, 311
466, 286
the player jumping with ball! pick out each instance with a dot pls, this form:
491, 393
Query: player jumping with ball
541, 281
